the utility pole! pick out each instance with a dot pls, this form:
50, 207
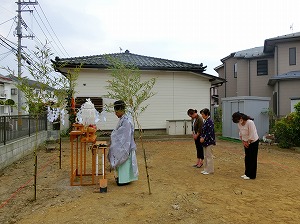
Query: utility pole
19, 53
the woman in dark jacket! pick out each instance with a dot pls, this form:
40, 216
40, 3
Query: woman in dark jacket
208, 139
197, 124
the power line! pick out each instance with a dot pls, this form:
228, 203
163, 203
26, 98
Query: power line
45, 34
53, 31
4, 40
5, 46
24, 55
7, 21
12, 47
6, 9
35, 36
10, 28
23, 23
6, 54
49, 32
30, 61
14, 50
17, 48
29, 57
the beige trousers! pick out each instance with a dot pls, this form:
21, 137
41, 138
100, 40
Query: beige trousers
208, 159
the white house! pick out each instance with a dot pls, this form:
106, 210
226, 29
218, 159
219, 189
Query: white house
179, 86
7, 91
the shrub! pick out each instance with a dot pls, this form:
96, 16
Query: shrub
283, 133
9, 102
218, 120
287, 129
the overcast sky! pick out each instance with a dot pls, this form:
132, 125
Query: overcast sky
194, 31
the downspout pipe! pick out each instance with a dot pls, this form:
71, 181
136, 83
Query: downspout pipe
278, 95
278, 85
225, 77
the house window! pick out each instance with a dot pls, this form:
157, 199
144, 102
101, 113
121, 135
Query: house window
294, 101
235, 70
262, 67
292, 56
14, 91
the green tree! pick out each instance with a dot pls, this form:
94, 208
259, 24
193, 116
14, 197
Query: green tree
126, 85
43, 89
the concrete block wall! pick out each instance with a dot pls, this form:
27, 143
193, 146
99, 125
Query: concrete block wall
13, 151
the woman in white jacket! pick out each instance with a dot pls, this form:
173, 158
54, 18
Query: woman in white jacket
248, 135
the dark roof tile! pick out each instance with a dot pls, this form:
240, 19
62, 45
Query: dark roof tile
140, 61
292, 75
270, 43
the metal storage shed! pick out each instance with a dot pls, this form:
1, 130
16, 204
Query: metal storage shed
255, 107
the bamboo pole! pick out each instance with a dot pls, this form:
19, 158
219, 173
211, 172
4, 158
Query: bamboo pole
144, 151
35, 156
59, 150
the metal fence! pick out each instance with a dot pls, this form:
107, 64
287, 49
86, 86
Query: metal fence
17, 126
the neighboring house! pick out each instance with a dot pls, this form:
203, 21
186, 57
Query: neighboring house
179, 86
272, 70
39, 89
11, 92
8, 91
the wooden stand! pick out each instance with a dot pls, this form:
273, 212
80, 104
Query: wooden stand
102, 147
87, 139
74, 135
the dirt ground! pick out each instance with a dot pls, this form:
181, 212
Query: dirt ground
179, 192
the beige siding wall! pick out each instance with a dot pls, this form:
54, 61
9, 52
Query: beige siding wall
231, 84
242, 78
240, 86
259, 83
283, 57
221, 89
287, 89
176, 93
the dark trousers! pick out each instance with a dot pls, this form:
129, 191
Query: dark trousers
251, 160
199, 148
